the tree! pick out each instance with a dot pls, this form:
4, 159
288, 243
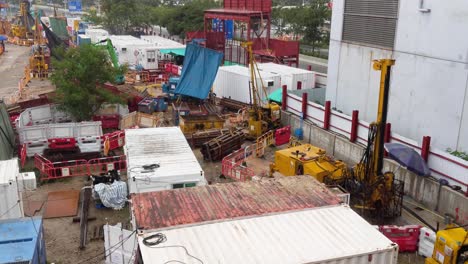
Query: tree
77, 78
313, 20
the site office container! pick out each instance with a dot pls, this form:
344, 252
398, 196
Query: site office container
162, 43
290, 76
177, 166
11, 205
234, 82
134, 52
22, 241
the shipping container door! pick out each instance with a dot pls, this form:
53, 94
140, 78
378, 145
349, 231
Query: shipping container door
151, 62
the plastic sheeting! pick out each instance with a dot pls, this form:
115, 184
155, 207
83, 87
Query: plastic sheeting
112, 195
199, 71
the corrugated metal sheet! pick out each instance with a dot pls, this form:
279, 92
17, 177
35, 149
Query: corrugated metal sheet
234, 82
7, 135
226, 201
22, 241
167, 147
11, 205
370, 22
290, 75
323, 235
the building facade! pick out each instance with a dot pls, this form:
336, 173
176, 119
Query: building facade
429, 83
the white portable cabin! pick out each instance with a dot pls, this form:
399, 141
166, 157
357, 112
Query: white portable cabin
134, 52
171, 161
290, 76
11, 205
234, 82
96, 34
333, 234
162, 43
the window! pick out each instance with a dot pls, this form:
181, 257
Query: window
371, 22
183, 185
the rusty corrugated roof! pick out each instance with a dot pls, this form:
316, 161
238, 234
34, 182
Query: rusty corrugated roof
226, 201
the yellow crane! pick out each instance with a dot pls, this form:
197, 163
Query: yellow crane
262, 117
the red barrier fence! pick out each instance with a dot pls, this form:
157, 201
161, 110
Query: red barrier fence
232, 165
73, 168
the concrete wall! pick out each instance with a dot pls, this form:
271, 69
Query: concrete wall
423, 190
429, 84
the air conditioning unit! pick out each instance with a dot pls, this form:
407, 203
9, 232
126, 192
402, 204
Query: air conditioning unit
27, 181
269, 83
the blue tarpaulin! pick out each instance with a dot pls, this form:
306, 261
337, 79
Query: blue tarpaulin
199, 71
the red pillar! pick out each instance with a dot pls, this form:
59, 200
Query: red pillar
326, 118
387, 135
309, 67
426, 145
354, 126
304, 105
299, 85
284, 98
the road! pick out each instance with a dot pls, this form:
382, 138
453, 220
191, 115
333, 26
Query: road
318, 64
12, 64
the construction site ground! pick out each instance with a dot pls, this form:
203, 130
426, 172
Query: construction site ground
62, 235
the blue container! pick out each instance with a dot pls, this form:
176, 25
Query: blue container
160, 104
22, 241
299, 133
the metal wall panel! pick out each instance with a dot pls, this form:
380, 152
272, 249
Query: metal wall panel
370, 22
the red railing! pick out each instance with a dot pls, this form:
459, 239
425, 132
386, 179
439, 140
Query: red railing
442, 164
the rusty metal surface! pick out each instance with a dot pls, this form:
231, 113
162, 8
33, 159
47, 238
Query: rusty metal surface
62, 203
231, 200
32, 207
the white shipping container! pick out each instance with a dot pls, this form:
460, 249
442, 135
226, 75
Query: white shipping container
168, 149
11, 205
290, 76
234, 82
334, 234
134, 51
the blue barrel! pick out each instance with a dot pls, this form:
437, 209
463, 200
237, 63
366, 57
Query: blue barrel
299, 133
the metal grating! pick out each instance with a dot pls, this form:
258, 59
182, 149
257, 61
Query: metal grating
370, 22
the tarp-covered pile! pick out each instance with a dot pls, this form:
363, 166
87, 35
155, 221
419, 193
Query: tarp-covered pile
199, 71
112, 195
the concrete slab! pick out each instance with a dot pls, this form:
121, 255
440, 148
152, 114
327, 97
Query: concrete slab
346, 151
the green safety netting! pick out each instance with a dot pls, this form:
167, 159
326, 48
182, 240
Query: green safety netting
178, 52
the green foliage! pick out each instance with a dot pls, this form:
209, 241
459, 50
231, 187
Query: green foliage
77, 77
91, 16
460, 154
303, 22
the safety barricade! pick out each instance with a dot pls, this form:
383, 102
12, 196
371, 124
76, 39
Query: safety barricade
62, 143
73, 168
113, 141
263, 142
427, 239
282, 135
108, 121
233, 164
407, 237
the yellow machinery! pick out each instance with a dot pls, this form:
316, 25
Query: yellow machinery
261, 117
376, 191
379, 192
21, 27
40, 57
308, 160
451, 247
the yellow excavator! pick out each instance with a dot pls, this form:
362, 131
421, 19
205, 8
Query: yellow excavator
262, 116
21, 27
40, 57
376, 191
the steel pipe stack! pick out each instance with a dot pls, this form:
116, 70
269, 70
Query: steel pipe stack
199, 138
232, 104
217, 148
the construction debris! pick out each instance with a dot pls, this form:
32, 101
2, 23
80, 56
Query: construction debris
84, 216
